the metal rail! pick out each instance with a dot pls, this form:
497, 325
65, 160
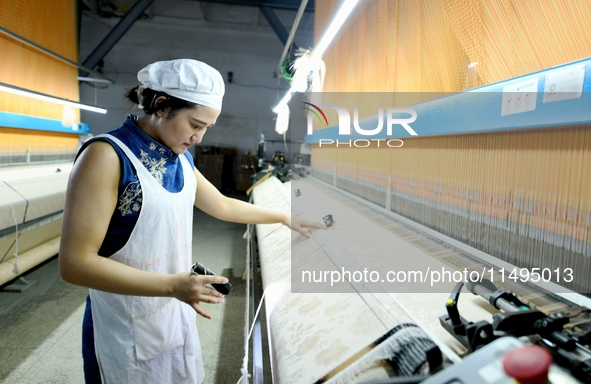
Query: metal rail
51, 53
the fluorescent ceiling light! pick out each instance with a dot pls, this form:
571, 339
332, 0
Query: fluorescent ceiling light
283, 101
335, 24
51, 99
94, 80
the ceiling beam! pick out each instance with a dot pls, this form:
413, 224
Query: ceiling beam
115, 34
291, 5
275, 23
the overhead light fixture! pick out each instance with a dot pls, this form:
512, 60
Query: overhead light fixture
94, 80
41, 96
336, 23
283, 101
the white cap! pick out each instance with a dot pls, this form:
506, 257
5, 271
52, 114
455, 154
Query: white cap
186, 79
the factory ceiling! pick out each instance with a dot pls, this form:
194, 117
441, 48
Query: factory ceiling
279, 15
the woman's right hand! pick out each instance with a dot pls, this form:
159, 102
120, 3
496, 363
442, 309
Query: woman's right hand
192, 289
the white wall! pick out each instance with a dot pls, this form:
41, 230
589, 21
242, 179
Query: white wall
178, 29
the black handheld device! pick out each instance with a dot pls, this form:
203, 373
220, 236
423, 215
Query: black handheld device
199, 269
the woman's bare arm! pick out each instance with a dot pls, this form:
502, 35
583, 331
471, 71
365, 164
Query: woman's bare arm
90, 201
212, 202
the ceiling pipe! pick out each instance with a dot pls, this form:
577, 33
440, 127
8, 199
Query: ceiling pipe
49, 52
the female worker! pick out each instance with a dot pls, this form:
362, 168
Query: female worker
127, 230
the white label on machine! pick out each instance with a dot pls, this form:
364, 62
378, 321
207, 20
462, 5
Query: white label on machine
520, 97
564, 84
493, 372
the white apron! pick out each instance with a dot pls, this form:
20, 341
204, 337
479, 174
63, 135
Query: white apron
151, 339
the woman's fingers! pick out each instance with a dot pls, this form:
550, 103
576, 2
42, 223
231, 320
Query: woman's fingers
200, 311
309, 224
299, 226
212, 296
193, 289
206, 294
314, 224
212, 279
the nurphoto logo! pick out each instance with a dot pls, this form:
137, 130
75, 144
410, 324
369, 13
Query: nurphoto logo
392, 118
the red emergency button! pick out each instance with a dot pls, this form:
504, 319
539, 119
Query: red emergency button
528, 365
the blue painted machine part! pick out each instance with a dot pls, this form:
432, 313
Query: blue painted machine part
15, 120
478, 110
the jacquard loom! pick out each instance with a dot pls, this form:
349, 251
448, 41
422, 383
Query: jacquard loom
31, 207
499, 194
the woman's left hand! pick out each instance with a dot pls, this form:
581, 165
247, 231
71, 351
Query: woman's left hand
299, 225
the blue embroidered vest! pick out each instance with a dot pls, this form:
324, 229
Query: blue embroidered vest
158, 159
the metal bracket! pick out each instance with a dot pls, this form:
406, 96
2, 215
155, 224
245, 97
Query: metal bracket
328, 221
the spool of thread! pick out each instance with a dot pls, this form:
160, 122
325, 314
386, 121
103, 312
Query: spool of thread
403, 347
